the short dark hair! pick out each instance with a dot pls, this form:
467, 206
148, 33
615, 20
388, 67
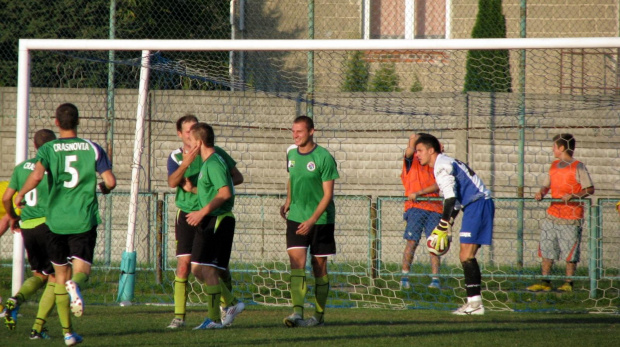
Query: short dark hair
68, 116
567, 141
429, 141
305, 119
42, 137
204, 132
187, 118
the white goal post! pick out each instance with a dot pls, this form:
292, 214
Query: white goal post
26, 46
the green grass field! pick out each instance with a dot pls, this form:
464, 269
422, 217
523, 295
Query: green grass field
143, 325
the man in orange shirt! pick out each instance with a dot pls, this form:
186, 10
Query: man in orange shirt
418, 181
560, 236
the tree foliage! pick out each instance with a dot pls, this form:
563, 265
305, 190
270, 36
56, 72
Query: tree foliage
416, 86
89, 19
488, 70
385, 79
356, 73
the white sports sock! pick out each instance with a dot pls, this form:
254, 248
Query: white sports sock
476, 298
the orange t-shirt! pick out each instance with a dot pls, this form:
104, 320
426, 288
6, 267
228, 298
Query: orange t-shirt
414, 180
564, 181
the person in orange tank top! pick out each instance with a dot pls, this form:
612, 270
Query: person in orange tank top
418, 181
560, 238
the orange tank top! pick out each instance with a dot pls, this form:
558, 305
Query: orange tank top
414, 180
564, 181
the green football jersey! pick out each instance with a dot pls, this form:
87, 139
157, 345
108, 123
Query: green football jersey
72, 165
36, 199
214, 175
307, 172
187, 201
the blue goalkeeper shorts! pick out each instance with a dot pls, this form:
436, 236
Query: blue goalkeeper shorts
477, 224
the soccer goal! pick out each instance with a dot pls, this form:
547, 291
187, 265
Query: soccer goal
494, 103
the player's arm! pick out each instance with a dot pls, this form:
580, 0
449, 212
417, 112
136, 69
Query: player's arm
411, 146
328, 195
447, 184
287, 204
31, 183
223, 194
541, 193
4, 224
103, 166
7, 202
426, 190
544, 189
11, 218
237, 176
109, 182
176, 175
580, 194
583, 177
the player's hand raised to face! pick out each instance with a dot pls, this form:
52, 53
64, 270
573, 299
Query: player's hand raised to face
190, 154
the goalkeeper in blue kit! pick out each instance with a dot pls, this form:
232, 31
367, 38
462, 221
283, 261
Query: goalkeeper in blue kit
462, 190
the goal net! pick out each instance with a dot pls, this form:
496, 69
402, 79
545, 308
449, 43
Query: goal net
495, 104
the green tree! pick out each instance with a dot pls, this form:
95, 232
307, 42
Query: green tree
385, 79
356, 74
488, 70
89, 19
416, 86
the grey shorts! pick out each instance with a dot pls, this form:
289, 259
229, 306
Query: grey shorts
560, 241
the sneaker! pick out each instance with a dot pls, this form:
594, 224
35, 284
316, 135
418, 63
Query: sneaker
313, 322
77, 303
72, 339
567, 287
404, 283
470, 308
435, 284
540, 287
223, 313
43, 335
176, 323
10, 313
294, 320
209, 324
231, 313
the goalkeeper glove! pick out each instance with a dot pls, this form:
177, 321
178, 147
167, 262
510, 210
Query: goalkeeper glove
104, 189
442, 230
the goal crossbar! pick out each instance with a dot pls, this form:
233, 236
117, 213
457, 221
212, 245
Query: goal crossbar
306, 45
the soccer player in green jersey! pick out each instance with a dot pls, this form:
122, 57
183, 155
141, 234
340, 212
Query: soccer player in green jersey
212, 243
70, 166
310, 221
183, 170
34, 232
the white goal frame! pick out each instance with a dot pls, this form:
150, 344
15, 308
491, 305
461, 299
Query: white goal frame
26, 46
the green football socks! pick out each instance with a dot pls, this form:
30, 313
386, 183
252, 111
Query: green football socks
298, 290
180, 297
80, 279
46, 303
321, 292
62, 306
29, 287
213, 302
